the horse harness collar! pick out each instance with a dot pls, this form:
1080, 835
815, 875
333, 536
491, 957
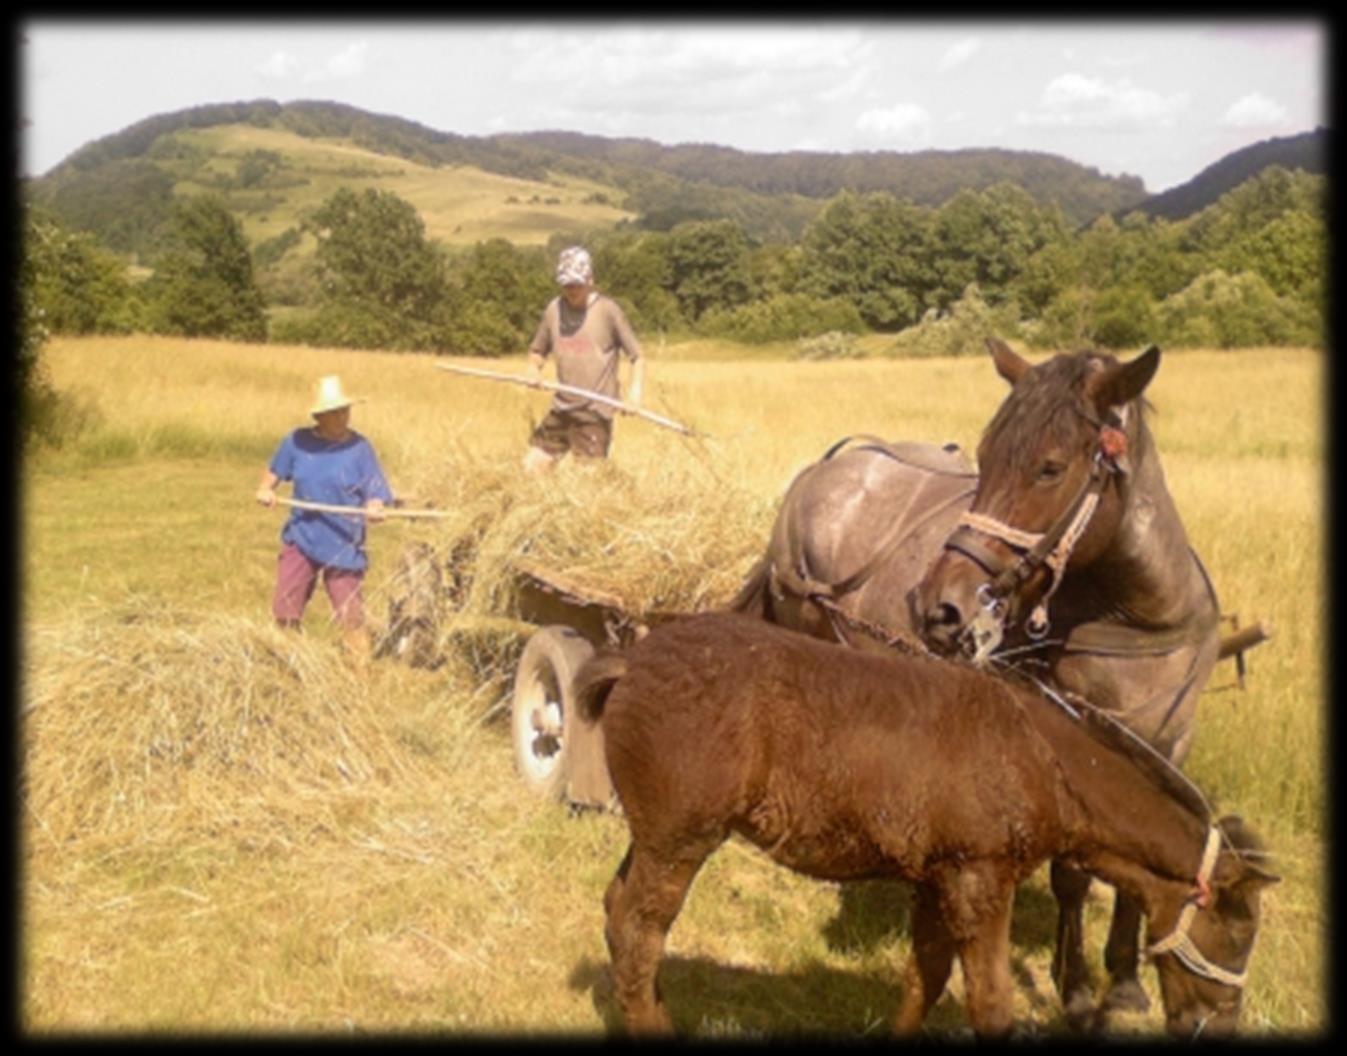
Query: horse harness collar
1051, 549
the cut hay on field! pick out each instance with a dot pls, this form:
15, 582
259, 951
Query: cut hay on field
170, 727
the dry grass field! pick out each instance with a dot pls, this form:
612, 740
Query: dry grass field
228, 830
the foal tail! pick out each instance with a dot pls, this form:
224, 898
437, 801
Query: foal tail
595, 680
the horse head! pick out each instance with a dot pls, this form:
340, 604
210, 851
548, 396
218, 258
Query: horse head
1050, 497
1201, 951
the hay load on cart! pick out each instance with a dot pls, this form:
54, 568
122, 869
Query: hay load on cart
528, 575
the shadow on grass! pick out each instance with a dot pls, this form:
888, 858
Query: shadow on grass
707, 998
710, 999
873, 913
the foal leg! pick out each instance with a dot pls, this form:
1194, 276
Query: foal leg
1121, 956
928, 970
980, 908
1069, 972
641, 902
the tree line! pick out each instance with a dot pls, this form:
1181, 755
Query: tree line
1248, 270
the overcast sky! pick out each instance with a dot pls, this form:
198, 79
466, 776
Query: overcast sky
1160, 100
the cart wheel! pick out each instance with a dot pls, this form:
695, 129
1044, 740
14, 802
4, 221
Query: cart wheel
542, 707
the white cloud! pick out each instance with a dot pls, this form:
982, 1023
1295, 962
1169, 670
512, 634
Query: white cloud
349, 63
1076, 101
906, 122
958, 54
281, 64
1255, 111
672, 71
1118, 62
847, 89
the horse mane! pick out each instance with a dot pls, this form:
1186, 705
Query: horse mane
1050, 399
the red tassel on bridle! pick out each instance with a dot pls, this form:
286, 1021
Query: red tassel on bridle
1112, 442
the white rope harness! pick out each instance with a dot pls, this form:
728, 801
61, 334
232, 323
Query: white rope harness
1180, 943
991, 526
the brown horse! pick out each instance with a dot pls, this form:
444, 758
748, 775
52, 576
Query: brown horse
1068, 521
1073, 558
848, 766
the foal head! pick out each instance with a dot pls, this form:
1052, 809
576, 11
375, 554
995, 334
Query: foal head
1202, 959
1048, 498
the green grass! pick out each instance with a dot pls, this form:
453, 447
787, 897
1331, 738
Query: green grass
253, 888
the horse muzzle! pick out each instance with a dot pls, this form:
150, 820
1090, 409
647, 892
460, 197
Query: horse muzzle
958, 616
959, 613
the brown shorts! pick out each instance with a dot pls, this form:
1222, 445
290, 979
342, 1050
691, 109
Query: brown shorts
586, 433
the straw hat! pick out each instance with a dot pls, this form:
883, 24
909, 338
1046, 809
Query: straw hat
329, 395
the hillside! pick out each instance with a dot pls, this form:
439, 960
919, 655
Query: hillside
119, 186
926, 177
272, 176
1307, 151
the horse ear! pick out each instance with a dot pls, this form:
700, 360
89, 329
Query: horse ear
1246, 849
1008, 363
1123, 383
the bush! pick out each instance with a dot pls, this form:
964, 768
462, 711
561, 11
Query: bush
1082, 317
1123, 318
832, 345
356, 325
783, 317
959, 332
1219, 310
1067, 321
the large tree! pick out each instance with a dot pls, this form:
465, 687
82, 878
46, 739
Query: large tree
496, 294
873, 250
381, 280
708, 266
986, 237
203, 285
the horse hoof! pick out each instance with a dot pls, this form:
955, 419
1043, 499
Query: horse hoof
1080, 1012
1126, 997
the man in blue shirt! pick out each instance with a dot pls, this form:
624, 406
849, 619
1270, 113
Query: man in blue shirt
331, 464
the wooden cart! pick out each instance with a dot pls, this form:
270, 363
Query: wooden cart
558, 755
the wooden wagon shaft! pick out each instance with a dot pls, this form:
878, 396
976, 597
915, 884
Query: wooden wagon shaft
358, 511
556, 386
1239, 641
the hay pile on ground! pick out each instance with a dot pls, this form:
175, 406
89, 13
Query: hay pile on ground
172, 728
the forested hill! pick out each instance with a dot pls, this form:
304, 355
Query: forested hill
928, 177
1307, 151
665, 183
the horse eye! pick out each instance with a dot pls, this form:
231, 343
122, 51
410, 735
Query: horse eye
1050, 471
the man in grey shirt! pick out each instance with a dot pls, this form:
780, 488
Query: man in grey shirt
585, 332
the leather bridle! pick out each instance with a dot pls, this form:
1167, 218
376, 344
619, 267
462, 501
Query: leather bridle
1050, 549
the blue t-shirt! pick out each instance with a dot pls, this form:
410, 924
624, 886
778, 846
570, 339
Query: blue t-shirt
335, 473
